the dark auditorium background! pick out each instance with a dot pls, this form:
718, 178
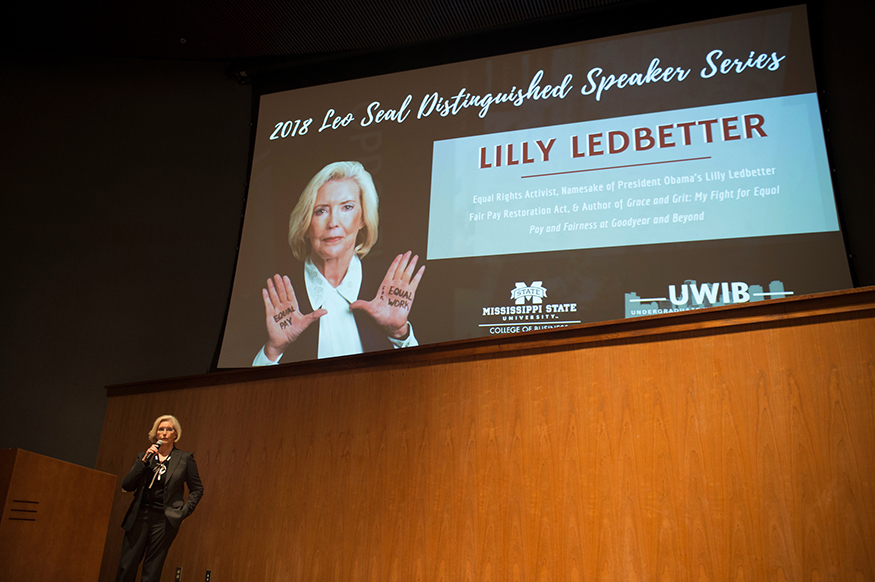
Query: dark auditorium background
125, 160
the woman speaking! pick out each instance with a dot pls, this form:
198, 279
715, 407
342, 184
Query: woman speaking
332, 227
153, 519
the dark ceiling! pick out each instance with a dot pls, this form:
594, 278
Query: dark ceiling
226, 30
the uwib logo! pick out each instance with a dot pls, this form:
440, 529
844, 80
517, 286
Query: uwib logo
536, 292
691, 296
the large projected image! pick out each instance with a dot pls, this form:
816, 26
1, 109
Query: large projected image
668, 170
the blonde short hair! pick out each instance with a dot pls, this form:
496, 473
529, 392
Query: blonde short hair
299, 221
176, 426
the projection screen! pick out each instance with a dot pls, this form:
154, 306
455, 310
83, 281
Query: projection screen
667, 170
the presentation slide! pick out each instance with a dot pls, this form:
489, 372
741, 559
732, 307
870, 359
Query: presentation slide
667, 170
687, 175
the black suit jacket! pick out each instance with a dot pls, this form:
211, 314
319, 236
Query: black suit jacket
181, 469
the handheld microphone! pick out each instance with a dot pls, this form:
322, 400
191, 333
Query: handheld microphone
159, 442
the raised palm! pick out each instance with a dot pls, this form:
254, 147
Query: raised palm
283, 318
394, 299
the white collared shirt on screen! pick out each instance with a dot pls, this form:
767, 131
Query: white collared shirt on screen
338, 333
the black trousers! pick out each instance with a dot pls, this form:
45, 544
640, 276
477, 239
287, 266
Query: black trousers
149, 540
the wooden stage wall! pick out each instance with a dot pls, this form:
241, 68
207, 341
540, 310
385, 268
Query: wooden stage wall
731, 444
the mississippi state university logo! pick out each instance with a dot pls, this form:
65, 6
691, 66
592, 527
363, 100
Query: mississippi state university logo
535, 292
529, 311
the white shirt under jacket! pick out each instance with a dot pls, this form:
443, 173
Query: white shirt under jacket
338, 333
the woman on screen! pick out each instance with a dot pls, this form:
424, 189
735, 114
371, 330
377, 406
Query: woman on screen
332, 227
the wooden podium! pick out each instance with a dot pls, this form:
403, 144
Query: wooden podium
55, 518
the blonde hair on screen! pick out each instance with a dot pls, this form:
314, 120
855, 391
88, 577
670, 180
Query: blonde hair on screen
299, 220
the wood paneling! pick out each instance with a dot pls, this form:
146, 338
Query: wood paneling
730, 445
54, 518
